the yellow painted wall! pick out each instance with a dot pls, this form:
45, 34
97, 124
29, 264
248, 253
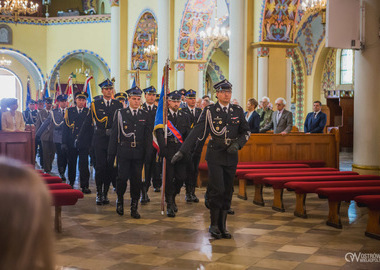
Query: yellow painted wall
277, 74
191, 76
222, 61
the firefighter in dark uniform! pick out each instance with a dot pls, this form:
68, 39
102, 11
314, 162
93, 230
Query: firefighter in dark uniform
229, 132
175, 174
151, 160
131, 140
30, 114
101, 115
40, 108
74, 119
192, 167
122, 97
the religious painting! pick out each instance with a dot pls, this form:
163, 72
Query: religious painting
5, 34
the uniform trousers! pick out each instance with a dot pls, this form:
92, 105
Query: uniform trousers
39, 151
48, 149
151, 171
105, 173
61, 158
220, 185
192, 171
129, 169
84, 173
175, 175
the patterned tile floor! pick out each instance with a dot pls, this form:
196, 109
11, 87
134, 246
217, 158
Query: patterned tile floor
95, 237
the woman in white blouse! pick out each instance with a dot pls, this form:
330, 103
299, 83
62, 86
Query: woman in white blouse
12, 120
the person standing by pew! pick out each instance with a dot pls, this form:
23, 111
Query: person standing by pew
229, 132
74, 119
55, 122
12, 120
30, 114
39, 152
282, 119
252, 116
265, 112
192, 165
315, 121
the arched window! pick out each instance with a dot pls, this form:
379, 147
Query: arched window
346, 67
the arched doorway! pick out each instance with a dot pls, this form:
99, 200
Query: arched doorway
79, 64
10, 85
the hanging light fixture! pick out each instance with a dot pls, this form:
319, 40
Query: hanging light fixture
5, 62
151, 50
218, 32
82, 70
312, 6
17, 8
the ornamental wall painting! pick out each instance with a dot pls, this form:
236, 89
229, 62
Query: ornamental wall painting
196, 18
329, 68
145, 35
279, 20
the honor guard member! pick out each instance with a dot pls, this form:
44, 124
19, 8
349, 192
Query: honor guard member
48, 148
151, 174
192, 166
74, 119
122, 97
30, 114
55, 121
101, 115
175, 175
40, 107
157, 99
131, 140
229, 132
183, 93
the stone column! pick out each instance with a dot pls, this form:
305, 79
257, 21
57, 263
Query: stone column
163, 36
237, 51
262, 72
367, 95
115, 44
288, 97
180, 75
133, 75
201, 82
147, 81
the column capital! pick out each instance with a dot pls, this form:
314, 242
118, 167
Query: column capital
149, 75
114, 3
263, 52
180, 67
133, 75
201, 67
289, 53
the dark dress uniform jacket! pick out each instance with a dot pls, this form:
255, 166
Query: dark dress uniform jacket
47, 134
126, 123
151, 113
193, 118
30, 117
72, 127
237, 131
51, 125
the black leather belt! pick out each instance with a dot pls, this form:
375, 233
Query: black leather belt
131, 144
227, 141
173, 140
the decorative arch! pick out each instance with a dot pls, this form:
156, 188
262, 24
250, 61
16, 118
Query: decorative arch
299, 70
145, 35
34, 70
92, 57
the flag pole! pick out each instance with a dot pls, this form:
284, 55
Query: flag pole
165, 121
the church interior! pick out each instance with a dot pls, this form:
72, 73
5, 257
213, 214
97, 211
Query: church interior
290, 49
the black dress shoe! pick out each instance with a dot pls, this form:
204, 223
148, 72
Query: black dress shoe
169, 211
174, 205
188, 198
230, 212
135, 214
194, 198
86, 190
215, 232
120, 207
106, 200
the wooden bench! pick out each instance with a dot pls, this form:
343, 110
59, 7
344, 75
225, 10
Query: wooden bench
338, 194
373, 204
307, 185
240, 173
260, 180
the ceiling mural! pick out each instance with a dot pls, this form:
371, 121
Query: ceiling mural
279, 20
196, 18
309, 38
145, 35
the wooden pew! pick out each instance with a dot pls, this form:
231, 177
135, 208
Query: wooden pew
373, 204
18, 145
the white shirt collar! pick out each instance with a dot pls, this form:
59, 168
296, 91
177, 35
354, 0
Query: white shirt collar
105, 101
228, 106
172, 112
79, 109
137, 110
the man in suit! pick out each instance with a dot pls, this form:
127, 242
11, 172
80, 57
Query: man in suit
151, 173
192, 165
55, 122
229, 131
315, 121
74, 119
101, 116
175, 174
30, 114
265, 112
131, 140
282, 120
252, 116
48, 147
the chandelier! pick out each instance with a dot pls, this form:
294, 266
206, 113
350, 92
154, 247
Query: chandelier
218, 33
5, 62
82, 70
312, 6
151, 50
18, 7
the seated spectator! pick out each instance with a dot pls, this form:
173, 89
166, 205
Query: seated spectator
206, 97
198, 103
315, 121
252, 116
12, 120
205, 103
26, 239
282, 120
265, 112
3, 108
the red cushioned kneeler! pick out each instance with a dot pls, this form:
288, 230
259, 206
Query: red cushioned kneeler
56, 186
